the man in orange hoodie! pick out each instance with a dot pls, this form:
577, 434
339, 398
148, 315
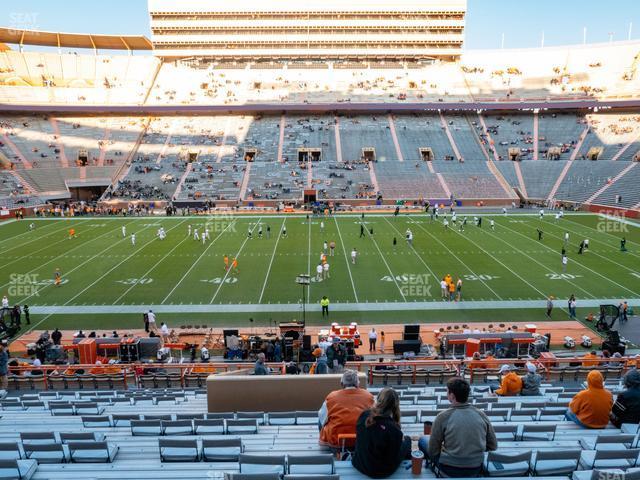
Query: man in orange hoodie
590, 359
590, 408
511, 383
341, 410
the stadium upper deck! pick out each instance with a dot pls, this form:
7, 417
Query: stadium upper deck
359, 29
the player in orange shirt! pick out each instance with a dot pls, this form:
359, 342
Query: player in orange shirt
57, 277
226, 263
72, 233
234, 265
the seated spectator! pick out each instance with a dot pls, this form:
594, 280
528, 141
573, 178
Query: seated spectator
531, 381
476, 361
590, 359
260, 368
380, 444
627, 406
590, 408
342, 408
459, 436
511, 383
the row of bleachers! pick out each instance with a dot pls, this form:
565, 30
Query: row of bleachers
585, 177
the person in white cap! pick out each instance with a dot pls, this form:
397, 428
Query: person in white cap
531, 381
511, 383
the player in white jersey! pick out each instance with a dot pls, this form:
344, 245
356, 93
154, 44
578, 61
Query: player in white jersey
124, 231
354, 256
32, 226
204, 237
566, 238
492, 224
196, 235
319, 273
189, 231
541, 213
325, 271
133, 239
206, 233
454, 218
557, 217
322, 226
504, 211
446, 223
325, 246
163, 234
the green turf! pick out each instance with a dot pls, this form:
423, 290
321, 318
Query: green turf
100, 267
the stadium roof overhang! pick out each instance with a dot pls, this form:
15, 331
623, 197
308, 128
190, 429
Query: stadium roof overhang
74, 40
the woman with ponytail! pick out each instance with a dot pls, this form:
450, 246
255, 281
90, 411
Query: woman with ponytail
380, 444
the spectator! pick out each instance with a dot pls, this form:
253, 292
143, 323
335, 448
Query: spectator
511, 383
336, 356
164, 332
260, 368
341, 409
627, 406
373, 337
590, 359
459, 436
320, 367
531, 381
4, 360
590, 408
56, 336
380, 444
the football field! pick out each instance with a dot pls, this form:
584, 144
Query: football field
506, 272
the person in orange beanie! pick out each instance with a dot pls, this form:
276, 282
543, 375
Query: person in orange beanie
590, 408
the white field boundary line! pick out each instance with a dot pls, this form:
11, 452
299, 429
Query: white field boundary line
33, 233
84, 263
346, 260
578, 264
512, 213
454, 256
197, 261
593, 252
237, 255
549, 269
393, 277
533, 287
67, 254
50, 310
164, 257
621, 220
7, 222
142, 247
62, 255
273, 255
13, 237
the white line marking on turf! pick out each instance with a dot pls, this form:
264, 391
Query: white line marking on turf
197, 260
266, 278
67, 255
393, 277
237, 255
581, 265
142, 247
551, 270
346, 260
38, 237
20, 234
152, 268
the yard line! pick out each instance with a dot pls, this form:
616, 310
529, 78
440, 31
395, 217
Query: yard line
593, 252
19, 234
152, 268
32, 240
346, 260
236, 256
450, 252
579, 264
197, 260
118, 264
544, 295
66, 254
266, 278
599, 241
393, 277
65, 239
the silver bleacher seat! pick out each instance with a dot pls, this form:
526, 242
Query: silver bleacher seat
508, 465
178, 450
177, 427
46, 452
209, 427
96, 421
556, 462
10, 451
618, 458
17, 469
306, 418
240, 426
538, 432
146, 427
281, 418
311, 464
81, 437
222, 450
92, 452
32, 438
262, 464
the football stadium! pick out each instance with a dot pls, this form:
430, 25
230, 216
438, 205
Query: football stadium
282, 240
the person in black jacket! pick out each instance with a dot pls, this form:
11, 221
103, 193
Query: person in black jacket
627, 406
380, 444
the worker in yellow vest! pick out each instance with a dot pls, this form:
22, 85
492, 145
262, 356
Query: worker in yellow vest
324, 303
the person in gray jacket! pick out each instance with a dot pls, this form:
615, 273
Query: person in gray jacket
459, 436
531, 382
